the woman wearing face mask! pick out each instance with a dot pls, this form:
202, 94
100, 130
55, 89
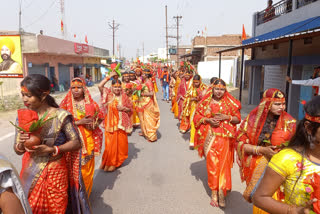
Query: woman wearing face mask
88, 117
148, 109
264, 132
296, 168
56, 159
216, 118
117, 108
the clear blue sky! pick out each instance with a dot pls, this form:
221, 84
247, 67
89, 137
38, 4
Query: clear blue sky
140, 20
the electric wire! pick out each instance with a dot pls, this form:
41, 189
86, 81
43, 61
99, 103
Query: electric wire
40, 17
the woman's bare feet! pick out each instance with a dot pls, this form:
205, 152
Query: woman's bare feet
222, 199
111, 168
105, 168
214, 199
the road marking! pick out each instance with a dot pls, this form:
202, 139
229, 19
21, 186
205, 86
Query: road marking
7, 136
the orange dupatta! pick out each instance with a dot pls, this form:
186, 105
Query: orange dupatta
68, 104
250, 130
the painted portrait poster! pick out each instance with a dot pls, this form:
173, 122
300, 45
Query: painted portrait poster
11, 58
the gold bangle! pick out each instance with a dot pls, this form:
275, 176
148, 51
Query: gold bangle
257, 152
19, 150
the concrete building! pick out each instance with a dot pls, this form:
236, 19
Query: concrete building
284, 43
204, 55
60, 60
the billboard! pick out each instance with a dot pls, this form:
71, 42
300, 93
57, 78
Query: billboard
11, 57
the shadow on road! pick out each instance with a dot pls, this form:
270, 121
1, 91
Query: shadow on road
132, 154
236, 204
106, 180
101, 182
159, 135
186, 136
235, 201
199, 171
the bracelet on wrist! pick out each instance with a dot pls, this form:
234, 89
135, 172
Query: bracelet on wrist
17, 148
56, 152
257, 150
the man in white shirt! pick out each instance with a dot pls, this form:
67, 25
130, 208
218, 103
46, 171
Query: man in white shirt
315, 81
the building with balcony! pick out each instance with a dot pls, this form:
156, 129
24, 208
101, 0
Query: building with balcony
59, 60
285, 42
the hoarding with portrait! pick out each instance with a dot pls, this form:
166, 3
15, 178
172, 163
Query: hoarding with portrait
11, 57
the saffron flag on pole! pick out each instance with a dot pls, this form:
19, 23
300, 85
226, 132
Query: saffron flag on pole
61, 26
244, 35
86, 39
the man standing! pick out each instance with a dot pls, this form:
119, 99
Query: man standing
165, 80
8, 65
314, 81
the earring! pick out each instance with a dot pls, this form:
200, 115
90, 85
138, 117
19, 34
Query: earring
310, 138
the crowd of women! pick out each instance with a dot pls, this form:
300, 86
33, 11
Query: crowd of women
279, 163
57, 173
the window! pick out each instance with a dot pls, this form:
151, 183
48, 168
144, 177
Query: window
275, 46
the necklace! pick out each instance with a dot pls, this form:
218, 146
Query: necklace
49, 112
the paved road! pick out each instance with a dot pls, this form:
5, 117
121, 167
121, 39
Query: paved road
161, 177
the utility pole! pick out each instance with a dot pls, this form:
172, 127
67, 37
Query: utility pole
143, 52
114, 27
178, 18
167, 50
20, 29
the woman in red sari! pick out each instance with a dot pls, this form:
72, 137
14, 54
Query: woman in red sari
51, 172
117, 107
87, 117
264, 132
216, 117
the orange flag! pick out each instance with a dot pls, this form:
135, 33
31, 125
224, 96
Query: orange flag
86, 39
61, 26
244, 35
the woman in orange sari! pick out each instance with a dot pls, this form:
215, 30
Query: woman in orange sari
148, 109
175, 108
87, 117
51, 172
117, 108
189, 104
264, 132
218, 115
171, 88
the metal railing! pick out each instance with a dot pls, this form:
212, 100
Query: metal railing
274, 11
301, 3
